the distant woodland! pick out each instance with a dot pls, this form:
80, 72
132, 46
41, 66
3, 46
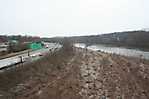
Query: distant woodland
19, 38
137, 39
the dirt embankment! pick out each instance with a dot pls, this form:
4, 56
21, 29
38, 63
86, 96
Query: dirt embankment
114, 77
81, 75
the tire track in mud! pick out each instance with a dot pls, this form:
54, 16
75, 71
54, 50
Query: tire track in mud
91, 86
131, 71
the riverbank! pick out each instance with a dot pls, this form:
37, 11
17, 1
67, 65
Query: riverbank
125, 46
80, 75
116, 50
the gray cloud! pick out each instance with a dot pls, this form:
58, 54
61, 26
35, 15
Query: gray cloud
72, 17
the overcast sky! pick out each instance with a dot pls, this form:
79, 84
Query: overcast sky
72, 17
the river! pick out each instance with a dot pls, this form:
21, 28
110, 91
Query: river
117, 50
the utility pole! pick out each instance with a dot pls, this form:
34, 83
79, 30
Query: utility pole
28, 53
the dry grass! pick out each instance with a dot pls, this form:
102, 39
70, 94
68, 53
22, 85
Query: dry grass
38, 69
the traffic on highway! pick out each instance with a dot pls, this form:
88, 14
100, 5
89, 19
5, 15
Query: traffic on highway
29, 56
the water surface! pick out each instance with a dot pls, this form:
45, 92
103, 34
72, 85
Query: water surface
117, 50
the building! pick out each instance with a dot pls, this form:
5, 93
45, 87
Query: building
3, 46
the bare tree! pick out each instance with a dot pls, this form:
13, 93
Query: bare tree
67, 45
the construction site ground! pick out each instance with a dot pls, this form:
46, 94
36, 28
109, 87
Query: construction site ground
84, 75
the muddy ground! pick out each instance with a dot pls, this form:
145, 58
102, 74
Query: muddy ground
82, 75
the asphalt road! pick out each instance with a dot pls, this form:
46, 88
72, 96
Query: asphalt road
16, 59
